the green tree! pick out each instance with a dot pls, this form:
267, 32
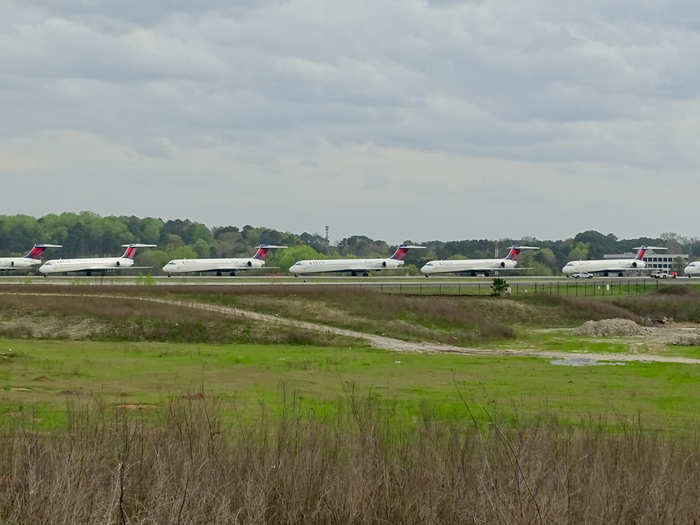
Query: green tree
286, 258
499, 287
579, 252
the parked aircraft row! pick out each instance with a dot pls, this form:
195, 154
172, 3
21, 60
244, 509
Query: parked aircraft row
352, 266
220, 266
610, 266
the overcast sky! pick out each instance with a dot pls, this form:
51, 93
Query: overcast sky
398, 119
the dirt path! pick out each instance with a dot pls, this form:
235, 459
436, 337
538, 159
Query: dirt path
376, 341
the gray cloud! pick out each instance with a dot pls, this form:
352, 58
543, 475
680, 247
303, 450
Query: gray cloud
279, 90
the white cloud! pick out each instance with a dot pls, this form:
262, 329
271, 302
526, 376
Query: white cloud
319, 101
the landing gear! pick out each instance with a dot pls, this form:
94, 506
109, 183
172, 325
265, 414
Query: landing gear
89, 274
232, 274
365, 274
218, 274
353, 274
620, 274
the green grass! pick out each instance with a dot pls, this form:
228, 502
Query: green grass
561, 341
44, 376
683, 351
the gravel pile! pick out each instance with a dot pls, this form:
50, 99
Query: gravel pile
609, 327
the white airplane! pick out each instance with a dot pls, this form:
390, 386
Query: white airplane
353, 266
102, 264
474, 266
33, 258
220, 266
610, 266
692, 269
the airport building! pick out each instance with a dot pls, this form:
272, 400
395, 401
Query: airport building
655, 261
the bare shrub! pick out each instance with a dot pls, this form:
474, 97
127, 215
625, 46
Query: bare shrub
679, 307
581, 308
95, 318
359, 465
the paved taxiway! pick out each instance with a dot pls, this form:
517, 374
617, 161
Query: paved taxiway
341, 281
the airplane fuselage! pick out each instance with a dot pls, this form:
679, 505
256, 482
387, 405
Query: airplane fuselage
18, 263
468, 265
693, 269
85, 265
344, 265
603, 265
212, 265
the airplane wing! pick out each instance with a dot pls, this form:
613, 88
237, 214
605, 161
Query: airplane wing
99, 268
249, 268
491, 269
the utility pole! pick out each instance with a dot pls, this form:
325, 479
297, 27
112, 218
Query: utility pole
326, 230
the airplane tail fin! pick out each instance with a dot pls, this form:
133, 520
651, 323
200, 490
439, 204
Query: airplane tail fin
514, 252
402, 251
37, 250
130, 251
642, 250
261, 254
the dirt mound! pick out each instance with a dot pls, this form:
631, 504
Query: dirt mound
609, 327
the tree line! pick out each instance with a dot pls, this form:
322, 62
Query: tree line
88, 234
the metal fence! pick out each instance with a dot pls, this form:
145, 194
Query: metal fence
597, 288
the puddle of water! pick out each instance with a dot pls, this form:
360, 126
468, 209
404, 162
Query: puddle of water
583, 361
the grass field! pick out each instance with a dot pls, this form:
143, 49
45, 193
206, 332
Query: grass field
47, 375
125, 411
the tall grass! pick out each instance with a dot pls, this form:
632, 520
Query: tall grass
129, 319
359, 465
677, 302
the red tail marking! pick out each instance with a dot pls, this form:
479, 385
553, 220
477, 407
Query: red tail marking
130, 252
261, 254
513, 254
640, 255
36, 252
400, 254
